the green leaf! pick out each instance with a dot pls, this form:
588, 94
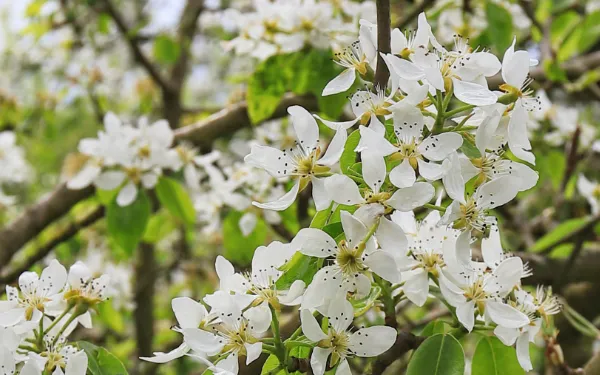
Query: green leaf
320, 219
159, 226
176, 199
492, 357
104, 23
111, 317
561, 231
266, 87
468, 147
333, 229
239, 248
106, 196
126, 225
348, 157
438, 355
554, 71
362, 305
433, 328
101, 361
300, 267
166, 50
500, 25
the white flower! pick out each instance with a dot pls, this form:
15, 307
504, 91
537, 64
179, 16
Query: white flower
357, 57
418, 247
233, 333
260, 283
59, 358
15, 168
472, 213
355, 258
339, 342
36, 294
304, 162
590, 191
189, 314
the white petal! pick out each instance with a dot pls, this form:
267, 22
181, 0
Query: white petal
472, 93
282, 203
508, 336
259, 318
465, 312
374, 143
438, 147
495, 193
84, 178
189, 313
253, 351
408, 199
202, 341
318, 360
354, 229
159, 357
270, 159
505, 315
486, 130
453, 294
523, 353
391, 237
517, 135
526, 177
463, 249
53, 278
109, 180
343, 190
294, 295
149, 180
399, 41
305, 127
416, 287
335, 148
320, 194
376, 125
224, 268
408, 120
337, 125
453, 180
382, 264
341, 314
340, 83
431, 171
508, 274
515, 68
369, 213
403, 175
343, 368
247, 223
127, 194
77, 364
314, 242
310, 327
372, 341
406, 69
491, 248
374, 170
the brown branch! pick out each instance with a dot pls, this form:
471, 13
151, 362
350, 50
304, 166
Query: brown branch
135, 49
405, 342
384, 45
44, 250
37, 217
572, 159
145, 285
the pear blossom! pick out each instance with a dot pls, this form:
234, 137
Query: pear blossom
233, 334
189, 314
305, 162
260, 283
34, 296
338, 342
419, 247
59, 359
355, 258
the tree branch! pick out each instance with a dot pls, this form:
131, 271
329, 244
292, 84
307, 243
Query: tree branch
382, 74
135, 48
413, 14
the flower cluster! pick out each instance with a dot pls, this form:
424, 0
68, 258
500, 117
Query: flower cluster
15, 169
284, 26
39, 315
127, 157
436, 126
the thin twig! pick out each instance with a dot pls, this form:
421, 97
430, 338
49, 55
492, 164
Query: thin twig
382, 74
413, 14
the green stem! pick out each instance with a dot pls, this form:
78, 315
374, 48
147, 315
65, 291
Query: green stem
279, 347
64, 327
291, 344
269, 348
28, 348
370, 234
434, 207
296, 333
275, 370
458, 110
447, 98
439, 119
57, 319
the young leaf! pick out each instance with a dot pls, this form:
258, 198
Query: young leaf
348, 157
126, 225
562, 230
300, 267
438, 355
500, 28
493, 357
176, 199
101, 361
434, 327
166, 50
266, 87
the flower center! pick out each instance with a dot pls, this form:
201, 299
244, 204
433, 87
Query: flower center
236, 338
475, 292
349, 259
134, 174
430, 262
339, 342
407, 150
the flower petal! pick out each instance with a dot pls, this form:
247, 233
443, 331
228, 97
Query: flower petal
282, 203
409, 198
403, 175
310, 327
343, 190
438, 147
472, 93
305, 127
505, 315
340, 83
372, 341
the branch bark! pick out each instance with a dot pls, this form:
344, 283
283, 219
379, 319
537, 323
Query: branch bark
384, 44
